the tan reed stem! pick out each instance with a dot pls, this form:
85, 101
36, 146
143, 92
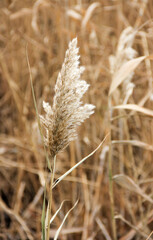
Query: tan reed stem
111, 193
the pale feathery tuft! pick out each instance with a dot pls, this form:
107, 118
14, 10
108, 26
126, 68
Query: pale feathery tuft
68, 112
124, 53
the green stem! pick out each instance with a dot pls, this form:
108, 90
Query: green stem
48, 214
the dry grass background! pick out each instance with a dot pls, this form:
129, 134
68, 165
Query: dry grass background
46, 27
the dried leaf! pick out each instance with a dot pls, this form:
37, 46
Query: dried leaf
134, 143
135, 107
60, 227
53, 217
76, 165
127, 183
123, 72
73, 14
89, 12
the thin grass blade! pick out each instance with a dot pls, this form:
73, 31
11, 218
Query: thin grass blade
136, 108
53, 217
59, 229
76, 165
43, 217
36, 109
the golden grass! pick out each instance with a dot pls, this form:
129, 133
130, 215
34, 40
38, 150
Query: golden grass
46, 27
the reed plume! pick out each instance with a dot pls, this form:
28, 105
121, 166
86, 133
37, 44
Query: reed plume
67, 112
124, 53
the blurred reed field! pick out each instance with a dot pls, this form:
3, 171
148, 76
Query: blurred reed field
114, 186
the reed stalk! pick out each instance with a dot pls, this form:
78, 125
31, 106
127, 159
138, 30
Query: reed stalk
67, 113
111, 192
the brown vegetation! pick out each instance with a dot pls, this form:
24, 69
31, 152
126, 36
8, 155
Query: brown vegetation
114, 186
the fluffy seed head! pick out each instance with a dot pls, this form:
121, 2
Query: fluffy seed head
124, 53
67, 112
